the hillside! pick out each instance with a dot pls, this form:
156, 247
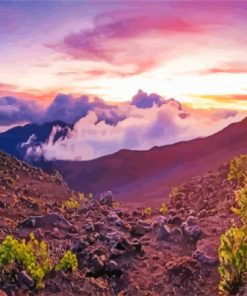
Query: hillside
13, 139
120, 249
141, 176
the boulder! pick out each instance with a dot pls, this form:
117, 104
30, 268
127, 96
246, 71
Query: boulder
48, 220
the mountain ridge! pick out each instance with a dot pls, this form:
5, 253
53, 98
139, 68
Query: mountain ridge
166, 164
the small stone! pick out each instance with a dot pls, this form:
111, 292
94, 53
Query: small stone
97, 265
113, 269
38, 233
191, 220
140, 228
89, 227
194, 231
99, 226
79, 246
157, 221
106, 198
163, 233
175, 220
204, 258
25, 280
203, 213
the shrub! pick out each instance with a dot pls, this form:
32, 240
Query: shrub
72, 203
148, 211
76, 201
241, 201
68, 263
32, 256
238, 169
115, 205
90, 196
233, 259
81, 196
163, 209
174, 193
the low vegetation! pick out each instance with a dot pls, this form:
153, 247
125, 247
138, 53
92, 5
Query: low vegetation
233, 244
174, 193
76, 201
33, 257
163, 209
238, 169
148, 211
68, 263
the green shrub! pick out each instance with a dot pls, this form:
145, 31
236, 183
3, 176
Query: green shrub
163, 209
76, 201
148, 211
241, 201
32, 256
233, 259
68, 263
174, 193
238, 169
71, 204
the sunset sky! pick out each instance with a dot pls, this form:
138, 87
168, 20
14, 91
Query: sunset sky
193, 51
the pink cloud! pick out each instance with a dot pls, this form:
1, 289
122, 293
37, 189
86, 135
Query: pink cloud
233, 67
120, 40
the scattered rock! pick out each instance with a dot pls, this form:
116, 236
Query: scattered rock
113, 269
25, 280
193, 232
78, 246
140, 228
163, 232
191, 220
48, 220
182, 267
106, 198
157, 221
206, 251
203, 213
121, 247
175, 220
89, 227
204, 258
96, 266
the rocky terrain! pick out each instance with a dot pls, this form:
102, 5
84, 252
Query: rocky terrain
121, 250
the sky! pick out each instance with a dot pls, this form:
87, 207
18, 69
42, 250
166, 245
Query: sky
193, 51
127, 74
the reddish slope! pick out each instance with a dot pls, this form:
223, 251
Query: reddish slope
148, 175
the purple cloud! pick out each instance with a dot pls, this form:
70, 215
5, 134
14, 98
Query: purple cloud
142, 100
16, 110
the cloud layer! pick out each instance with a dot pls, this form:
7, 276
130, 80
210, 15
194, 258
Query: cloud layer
102, 128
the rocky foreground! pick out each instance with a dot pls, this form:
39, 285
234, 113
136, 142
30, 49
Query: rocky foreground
120, 250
